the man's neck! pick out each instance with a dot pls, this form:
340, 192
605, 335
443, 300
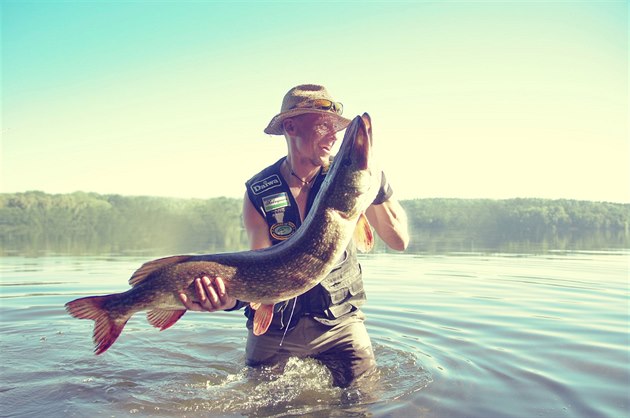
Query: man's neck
301, 168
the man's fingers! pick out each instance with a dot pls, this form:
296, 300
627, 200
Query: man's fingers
184, 298
189, 304
220, 284
201, 293
211, 294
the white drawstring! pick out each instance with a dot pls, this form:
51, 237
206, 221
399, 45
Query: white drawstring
289, 324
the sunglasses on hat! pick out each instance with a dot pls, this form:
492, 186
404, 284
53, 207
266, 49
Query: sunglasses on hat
321, 104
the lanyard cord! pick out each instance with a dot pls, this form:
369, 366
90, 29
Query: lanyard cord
289, 324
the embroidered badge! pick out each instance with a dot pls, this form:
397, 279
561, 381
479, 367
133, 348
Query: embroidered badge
278, 215
282, 231
276, 201
266, 184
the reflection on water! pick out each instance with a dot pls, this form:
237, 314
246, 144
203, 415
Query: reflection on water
432, 242
471, 335
422, 242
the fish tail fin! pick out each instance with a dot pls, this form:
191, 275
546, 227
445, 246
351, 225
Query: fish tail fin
262, 318
106, 328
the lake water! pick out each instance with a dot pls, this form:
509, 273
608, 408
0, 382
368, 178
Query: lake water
464, 335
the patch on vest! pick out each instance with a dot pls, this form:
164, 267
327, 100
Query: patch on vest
276, 201
282, 231
266, 184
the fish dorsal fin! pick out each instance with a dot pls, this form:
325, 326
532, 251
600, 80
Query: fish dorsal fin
262, 318
363, 236
164, 318
147, 268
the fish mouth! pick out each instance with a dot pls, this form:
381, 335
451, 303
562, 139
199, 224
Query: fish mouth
357, 143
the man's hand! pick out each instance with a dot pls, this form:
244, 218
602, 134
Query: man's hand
211, 296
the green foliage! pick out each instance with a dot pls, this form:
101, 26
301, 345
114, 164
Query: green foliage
517, 224
517, 216
89, 223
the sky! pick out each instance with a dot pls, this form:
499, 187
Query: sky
468, 99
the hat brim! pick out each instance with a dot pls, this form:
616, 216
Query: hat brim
275, 126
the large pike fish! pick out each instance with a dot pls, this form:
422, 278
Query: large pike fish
261, 277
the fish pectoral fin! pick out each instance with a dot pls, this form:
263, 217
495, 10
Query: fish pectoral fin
164, 318
262, 319
254, 305
363, 236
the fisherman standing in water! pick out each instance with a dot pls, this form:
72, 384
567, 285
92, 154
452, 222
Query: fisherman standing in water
326, 322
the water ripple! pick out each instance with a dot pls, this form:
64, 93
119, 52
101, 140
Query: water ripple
472, 336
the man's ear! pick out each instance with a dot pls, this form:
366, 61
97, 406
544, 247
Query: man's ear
289, 126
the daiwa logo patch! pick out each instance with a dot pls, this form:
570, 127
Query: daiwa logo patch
266, 184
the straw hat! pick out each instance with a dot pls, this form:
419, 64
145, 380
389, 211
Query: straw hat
307, 98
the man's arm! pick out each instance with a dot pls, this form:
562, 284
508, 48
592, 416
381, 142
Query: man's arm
390, 222
255, 225
388, 218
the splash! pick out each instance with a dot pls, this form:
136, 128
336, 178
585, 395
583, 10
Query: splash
303, 386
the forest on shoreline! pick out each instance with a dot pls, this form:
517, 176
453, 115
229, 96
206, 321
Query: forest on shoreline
78, 223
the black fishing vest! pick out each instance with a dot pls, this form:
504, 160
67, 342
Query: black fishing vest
341, 292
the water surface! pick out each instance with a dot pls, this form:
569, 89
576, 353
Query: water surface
464, 335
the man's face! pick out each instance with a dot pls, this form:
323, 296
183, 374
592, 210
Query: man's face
315, 137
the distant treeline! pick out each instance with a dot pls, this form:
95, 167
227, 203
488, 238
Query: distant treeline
517, 224
90, 223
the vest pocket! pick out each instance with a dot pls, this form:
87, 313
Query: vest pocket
343, 293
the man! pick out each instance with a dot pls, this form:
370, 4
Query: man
325, 322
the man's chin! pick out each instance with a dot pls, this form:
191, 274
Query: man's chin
324, 159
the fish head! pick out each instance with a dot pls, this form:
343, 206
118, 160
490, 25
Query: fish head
353, 180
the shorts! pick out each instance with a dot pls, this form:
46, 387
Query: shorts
345, 349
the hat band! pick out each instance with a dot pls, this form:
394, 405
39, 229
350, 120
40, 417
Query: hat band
320, 104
